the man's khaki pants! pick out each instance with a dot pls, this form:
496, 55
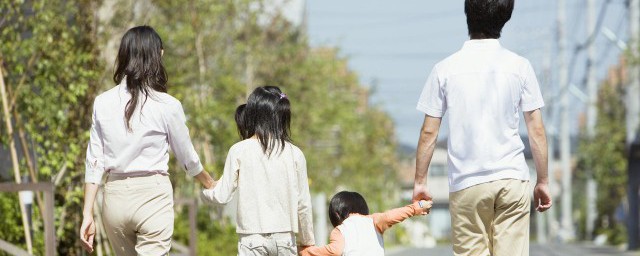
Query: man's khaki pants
138, 214
491, 219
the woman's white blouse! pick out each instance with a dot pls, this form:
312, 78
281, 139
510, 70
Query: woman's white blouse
158, 124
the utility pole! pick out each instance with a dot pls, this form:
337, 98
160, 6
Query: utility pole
633, 90
14, 158
320, 231
592, 90
633, 115
551, 215
542, 220
565, 139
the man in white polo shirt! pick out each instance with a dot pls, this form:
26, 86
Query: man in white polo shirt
484, 87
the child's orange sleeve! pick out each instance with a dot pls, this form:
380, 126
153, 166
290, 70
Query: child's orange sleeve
385, 220
334, 248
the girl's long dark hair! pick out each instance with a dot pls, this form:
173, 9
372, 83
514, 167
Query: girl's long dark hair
268, 117
139, 62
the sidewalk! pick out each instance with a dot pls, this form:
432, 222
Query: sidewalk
578, 250
536, 250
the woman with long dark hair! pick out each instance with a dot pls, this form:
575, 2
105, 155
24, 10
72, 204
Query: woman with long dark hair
134, 125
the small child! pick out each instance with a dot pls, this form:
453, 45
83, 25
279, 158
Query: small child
270, 175
358, 233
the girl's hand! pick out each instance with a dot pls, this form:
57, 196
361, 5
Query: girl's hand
302, 249
424, 206
87, 233
207, 195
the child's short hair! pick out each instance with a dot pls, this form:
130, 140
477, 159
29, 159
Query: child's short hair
345, 203
487, 17
240, 122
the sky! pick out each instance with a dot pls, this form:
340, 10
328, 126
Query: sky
393, 45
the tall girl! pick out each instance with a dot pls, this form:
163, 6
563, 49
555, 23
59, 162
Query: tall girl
269, 174
133, 127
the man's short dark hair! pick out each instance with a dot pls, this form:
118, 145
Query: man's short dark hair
485, 18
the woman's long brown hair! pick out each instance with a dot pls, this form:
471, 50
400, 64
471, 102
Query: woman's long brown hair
139, 61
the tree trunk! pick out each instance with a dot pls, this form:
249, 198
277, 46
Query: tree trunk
14, 158
27, 156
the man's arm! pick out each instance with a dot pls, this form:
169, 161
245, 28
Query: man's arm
424, 152
538, 144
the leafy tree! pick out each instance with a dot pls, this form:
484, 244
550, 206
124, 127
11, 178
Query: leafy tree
216, 52
217, 62
604, 154
50, 61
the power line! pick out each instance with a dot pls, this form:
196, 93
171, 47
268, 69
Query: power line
418, 18
580, 47
577, 21
605, 52
400, 55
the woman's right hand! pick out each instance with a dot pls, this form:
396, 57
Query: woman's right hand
87, 232
206, 180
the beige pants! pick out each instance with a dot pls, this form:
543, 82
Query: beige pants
491, 219
280, 244
138, 214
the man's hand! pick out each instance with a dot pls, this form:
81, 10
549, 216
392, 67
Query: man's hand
541, 197
420, 192
87, 233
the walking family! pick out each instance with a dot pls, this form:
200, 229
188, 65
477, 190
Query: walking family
483, 87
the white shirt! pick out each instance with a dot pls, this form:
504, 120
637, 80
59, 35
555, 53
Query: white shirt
160, 125
273, 192
484, 87
361, 237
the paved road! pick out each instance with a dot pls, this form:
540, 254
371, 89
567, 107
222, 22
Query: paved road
536, 250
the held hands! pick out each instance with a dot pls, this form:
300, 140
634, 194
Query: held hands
205, 179
420, 192
423, 207
303, 249
207, 195
422, 198
541, 197
87, 233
